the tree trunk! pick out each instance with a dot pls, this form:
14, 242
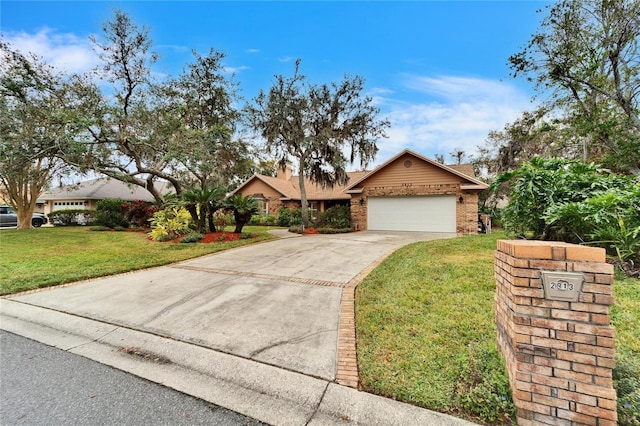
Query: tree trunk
304, 209
25, 214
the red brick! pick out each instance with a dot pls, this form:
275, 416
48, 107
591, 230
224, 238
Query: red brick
548, 323
573, 376
558, 253
521, 300
570, 315
592, 369
549, 420
603, 279
576, 337
597, 288
522, 395
590, 307
533, 407
545, 303
609, 404
598, 268
525, 272
531, 368
577, 397
523, 378
531, 250
596, 412
520, 282
587, 254
552, 265
576, 357
533, 388
577, 417
550, 401
532, 331
600, 319
552, 362
602, 381
607, 362
597, 330
604, 299
587, 297
604, 422
552, 382
529, 310
595, 390
528, 292
549, 343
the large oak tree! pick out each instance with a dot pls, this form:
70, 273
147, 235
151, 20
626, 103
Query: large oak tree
323, 127
37, 126
586, 57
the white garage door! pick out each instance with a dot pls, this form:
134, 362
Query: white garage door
429, 213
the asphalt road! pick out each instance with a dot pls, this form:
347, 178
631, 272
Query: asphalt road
42, 385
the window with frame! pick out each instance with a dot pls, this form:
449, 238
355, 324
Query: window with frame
313, 209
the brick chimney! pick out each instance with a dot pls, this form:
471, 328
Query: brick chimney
285, 172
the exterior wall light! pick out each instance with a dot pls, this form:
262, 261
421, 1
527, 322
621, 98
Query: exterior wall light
461, 200
361, 201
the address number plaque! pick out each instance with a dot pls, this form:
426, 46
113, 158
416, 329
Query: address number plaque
565, 286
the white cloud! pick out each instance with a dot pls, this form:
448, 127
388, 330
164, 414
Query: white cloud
253, 50
286, 59
66, 52
457, 112
235, 70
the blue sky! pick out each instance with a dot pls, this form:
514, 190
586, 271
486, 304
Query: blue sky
436, 69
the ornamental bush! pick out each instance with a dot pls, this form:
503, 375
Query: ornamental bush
337, 217
72, 217
111, 213
169, 223
565, 200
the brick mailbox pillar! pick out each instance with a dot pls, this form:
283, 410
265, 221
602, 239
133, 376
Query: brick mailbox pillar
552, 312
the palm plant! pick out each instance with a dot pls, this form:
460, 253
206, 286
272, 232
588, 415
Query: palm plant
201, 203
243, 208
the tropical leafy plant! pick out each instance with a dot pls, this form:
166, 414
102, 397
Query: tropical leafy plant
169, 223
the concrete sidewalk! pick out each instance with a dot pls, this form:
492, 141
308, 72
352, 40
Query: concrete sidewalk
254, 329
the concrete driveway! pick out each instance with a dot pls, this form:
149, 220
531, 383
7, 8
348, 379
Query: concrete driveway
263, 319
276, 302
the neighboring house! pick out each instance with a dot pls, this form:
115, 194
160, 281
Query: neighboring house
409, 192
85, 195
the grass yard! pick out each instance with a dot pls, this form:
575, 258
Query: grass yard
54, 255
426, 331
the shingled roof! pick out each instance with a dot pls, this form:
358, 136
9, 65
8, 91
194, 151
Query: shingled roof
101, 189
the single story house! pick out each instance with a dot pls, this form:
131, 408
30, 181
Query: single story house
85, 195
408, 192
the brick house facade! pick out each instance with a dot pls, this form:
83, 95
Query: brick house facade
409, 192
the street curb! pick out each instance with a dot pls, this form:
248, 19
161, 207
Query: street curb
270, 394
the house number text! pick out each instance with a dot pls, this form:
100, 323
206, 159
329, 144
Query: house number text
562, 285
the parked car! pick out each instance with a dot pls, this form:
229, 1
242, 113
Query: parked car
8, 217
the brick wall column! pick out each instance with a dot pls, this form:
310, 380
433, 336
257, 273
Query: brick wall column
559, 353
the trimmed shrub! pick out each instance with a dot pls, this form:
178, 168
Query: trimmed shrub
192, 237
334, 230
338, 217
111, 213
72, 217
296, 229
289, 217
263, 220
138, 213
99, 228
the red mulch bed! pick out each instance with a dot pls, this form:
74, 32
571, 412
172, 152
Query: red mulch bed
217, 237
310, 231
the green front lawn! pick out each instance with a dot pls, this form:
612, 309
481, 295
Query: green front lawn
48, 256
426, 330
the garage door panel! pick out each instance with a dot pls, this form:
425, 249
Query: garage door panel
436, 213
